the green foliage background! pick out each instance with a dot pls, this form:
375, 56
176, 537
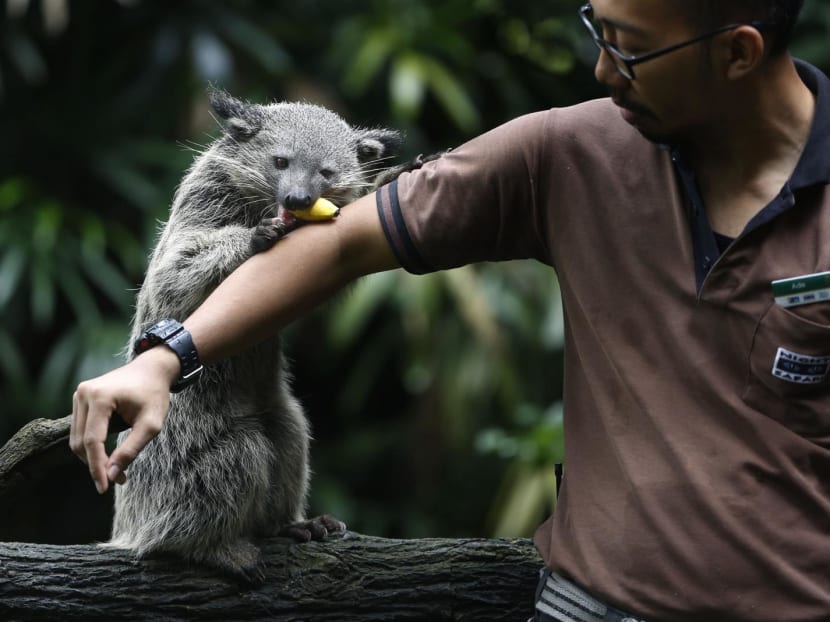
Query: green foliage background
435, 400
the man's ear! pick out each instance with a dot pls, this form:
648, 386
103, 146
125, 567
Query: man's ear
743, 51
241, 120
375, 144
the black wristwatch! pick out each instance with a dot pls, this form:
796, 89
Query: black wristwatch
171, 333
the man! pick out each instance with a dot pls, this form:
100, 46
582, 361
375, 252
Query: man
697, 401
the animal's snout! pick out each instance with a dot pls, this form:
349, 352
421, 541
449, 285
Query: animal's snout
298, 200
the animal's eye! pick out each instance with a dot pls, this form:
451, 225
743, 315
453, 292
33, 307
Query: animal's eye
327, 173
281, 163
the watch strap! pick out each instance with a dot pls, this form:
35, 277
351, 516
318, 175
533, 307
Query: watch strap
182, 344
171, 333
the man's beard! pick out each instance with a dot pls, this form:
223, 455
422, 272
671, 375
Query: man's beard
640, 118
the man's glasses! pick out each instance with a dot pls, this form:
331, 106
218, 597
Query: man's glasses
625, 63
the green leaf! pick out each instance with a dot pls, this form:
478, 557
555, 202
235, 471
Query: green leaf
407, 86
11, 193
11, 269
103, 347
127, 180
26, 57
42, 295
452, 95
77, 293
109, 278
11, 360
258, 43
356, 308
60, 364
367, 61
47, 226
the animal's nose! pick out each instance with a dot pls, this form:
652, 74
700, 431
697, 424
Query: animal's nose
298, 201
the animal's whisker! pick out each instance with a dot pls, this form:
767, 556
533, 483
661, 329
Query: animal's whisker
269, 210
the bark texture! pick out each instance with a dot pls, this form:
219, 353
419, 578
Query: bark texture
346, 578
50, 513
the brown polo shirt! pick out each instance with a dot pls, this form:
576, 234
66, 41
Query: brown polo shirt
697, 409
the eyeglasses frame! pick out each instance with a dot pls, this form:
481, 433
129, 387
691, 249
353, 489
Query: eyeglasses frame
628, 62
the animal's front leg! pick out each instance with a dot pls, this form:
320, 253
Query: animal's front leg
186, 267
270, 230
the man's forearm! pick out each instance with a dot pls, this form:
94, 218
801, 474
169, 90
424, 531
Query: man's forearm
275, 287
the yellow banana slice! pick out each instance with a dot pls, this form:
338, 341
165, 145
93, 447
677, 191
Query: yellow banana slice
321, 209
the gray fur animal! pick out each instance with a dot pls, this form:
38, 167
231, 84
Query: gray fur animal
231, 463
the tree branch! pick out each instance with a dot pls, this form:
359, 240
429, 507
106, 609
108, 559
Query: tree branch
46, 497
346, 578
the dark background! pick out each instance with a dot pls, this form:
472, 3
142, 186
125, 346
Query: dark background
434, 400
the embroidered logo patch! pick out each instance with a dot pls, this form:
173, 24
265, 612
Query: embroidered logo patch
800, 368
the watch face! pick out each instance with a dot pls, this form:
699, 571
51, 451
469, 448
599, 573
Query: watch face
165, 329
145, 342
158, 333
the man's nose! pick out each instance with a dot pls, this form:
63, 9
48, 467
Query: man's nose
606, 72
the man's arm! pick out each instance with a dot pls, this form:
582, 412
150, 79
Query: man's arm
262, 296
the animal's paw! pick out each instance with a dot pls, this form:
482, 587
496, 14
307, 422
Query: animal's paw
419, 160
316, 528
414, 164
269, 231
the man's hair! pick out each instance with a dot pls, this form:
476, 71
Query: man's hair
779, 16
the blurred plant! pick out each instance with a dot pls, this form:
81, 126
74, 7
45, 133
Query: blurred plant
810, 41
420, 57
437, 386
60, 266
110, 134
457, 67
475, 348
527, 492
88, 167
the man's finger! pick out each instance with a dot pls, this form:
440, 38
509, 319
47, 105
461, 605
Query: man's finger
94, 437
128, 449
76, 429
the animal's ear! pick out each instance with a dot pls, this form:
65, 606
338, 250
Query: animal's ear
240, 120
374, 144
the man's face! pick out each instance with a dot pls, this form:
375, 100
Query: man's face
671, 98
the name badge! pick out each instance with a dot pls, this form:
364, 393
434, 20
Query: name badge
800, 368
802, 290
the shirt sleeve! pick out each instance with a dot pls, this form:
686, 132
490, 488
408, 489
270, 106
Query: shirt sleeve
476, 203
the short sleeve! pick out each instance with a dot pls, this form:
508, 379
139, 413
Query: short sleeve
476, 203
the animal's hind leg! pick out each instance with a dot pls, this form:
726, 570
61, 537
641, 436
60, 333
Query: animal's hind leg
315, 528
241, 560
201, 495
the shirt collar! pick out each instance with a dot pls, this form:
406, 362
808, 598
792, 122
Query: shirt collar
814, 165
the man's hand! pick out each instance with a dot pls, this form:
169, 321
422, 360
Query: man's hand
140, 393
